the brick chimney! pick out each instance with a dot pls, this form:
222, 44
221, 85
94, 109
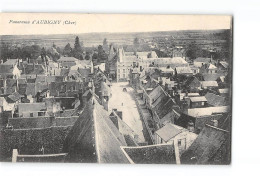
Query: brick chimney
190, 126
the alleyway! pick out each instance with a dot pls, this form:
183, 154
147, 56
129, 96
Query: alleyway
124, 101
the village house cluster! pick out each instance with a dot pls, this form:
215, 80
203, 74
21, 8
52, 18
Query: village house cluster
61, 111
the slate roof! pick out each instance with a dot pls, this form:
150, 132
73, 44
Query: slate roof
31, 107
70, 59
10, 62
211, 66
198, 99
183, 70
215, 100
202, 59
190, 80
224, 64
165, 106
199, 112
206, 146
211, 77
169, 131
14, 96
94, 137
105, 90
223, 91
151, 154
209, 84
34, 69
6, 69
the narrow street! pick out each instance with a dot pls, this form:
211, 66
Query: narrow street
124, 101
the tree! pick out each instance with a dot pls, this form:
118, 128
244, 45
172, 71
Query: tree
77, 46
67, 50
77, 51
136, 41
104, 41
102, 54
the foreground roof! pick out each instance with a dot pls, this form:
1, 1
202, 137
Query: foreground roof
94, 137
206, 146
151, 154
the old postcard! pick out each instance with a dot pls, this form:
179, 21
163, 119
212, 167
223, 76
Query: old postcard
116, 88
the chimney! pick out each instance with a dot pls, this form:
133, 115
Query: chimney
190, 126
215, 123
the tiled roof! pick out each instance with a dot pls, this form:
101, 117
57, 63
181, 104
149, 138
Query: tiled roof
71, 59
215, 100
206, 146
199, 112
211, 77
6, 69
197, 99
151, 154
211, 66
169, 131
223, 91
224, 64
94, 137
209, 84
183, 70
31, 107
202, 59
10, 62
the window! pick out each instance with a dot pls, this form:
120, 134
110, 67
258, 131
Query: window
118, 71
179, 142
31, 114
123, 75
123, 70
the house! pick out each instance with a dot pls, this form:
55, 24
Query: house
124, 64
195, 102
192, 84
209, 69
26, 110
223, 92
179, 51
215, 100
212, 146
183, 71
9, 69
195, 70
201, 116
170, 132
223, 65
200, 61
67, 62
8, 86
209, 84
33, 70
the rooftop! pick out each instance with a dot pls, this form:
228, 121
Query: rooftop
215, 100
94, 137
150, 154
198, 99
169, 131
71, 59
206, 146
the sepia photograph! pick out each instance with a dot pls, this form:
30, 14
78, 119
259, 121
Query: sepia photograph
116, 88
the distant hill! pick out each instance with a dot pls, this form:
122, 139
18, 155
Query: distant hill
94, 39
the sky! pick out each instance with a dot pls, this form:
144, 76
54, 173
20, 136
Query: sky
89, 23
